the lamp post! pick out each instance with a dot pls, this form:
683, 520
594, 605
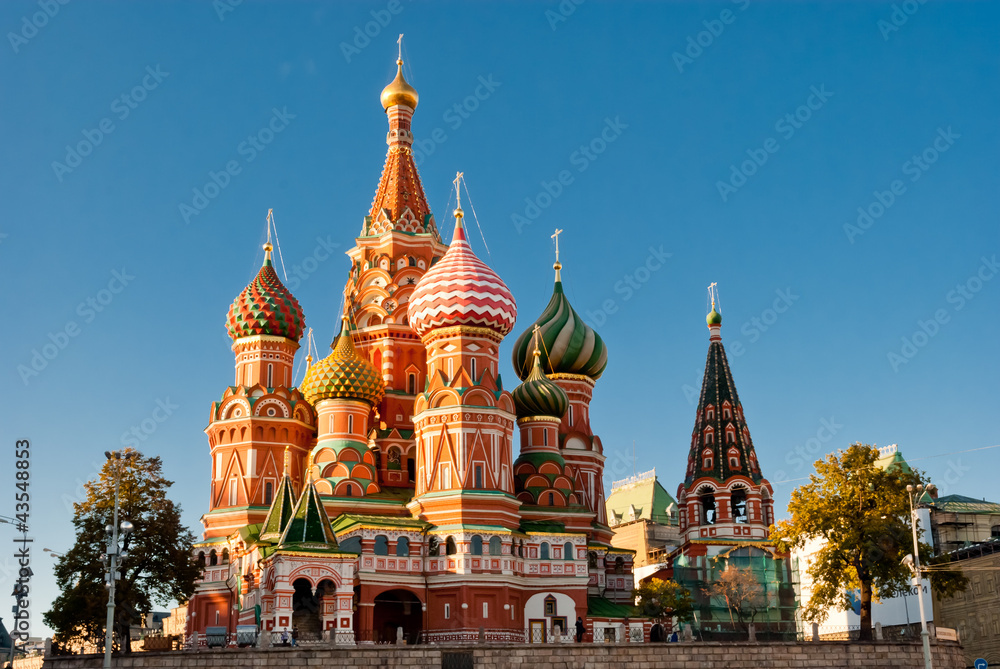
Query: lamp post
917, 579
16, 594
115, 553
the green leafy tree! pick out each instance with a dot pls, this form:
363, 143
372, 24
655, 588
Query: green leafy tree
659, 599
861, 513
159, 567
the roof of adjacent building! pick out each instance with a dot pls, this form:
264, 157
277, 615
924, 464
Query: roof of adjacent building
599, 607
962, 504
309, 526
640, 498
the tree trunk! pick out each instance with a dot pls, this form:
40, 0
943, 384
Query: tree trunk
865, 633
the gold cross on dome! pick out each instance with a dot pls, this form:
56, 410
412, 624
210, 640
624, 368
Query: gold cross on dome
555, 236
458, 191
400, 43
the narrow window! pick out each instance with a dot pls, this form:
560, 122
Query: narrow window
450, 547
571, 416
232, 492
270, 375
268, 493
545, 437
545, 551
333, 425
479, 477
486, 610
567, 551
447, 611
472, 368
477, 545
350, 490
350, 425
286, 377
552, 499
451, 370
411, 384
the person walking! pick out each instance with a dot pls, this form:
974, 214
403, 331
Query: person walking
295, 636
580, 629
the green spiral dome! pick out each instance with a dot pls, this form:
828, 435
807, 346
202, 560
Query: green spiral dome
568, 345
538, 396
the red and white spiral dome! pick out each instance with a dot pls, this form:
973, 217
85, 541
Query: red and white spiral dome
461, 290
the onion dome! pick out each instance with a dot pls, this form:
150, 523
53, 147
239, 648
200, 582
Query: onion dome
714, 317
569, 346
538, 396
266, 307
398, 92
461, 290
344, 374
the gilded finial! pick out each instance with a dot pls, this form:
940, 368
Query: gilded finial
714, 317
534, 336
398, 92
558, 265
288, 461
267, 245
309, 469
458, 197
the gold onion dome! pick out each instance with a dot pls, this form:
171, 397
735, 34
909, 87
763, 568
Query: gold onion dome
538, 396
344, 374
398, 92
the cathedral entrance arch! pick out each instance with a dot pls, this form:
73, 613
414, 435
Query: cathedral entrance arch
305, 611
394, 609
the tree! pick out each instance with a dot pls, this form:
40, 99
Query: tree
743, 595
659, 599
159, 567
861, 513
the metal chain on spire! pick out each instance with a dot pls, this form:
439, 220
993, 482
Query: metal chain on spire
461, 175
277, 243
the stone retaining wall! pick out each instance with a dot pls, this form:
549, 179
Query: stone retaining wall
800, 655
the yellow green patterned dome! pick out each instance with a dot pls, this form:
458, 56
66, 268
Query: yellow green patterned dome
344, 374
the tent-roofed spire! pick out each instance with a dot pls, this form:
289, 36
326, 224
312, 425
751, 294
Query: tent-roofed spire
281, 507
720, 443
309, 526
400, 203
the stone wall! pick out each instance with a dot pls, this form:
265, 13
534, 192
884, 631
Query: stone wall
802, 655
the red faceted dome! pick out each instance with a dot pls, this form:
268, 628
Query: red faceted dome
266, 307
461, 290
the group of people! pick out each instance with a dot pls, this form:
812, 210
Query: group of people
292, 637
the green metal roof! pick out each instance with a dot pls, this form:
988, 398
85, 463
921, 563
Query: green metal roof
309, 526
647, 496
962, 504
541, 526
280, 511
599, 607
346, 521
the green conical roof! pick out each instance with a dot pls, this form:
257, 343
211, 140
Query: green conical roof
569, 346
538, 396
309, 526
280, 511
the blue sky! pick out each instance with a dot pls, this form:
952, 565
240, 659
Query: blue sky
696, 142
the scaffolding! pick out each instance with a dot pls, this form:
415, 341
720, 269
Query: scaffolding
774, 598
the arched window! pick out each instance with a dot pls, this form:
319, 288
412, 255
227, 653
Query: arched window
433, 546
709, 436
213, 558
450, 548
708, 508
552, 499
727, 411
350, 424
381, 545
402, 547
739, 502
351, 545
472, 369
411, 384
201, 559
710, 412
268, 493
495, 546
619, 565
477, 545
545, 437
225, 556
592, 560
349, 490
707, 461
544, 551
567, 551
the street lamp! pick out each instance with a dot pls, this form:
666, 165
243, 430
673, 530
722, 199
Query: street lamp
54, 553
115, 553
917, 580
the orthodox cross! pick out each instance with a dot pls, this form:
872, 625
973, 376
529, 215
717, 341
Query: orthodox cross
556, 237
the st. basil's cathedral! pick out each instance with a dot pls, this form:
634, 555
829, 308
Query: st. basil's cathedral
384, 495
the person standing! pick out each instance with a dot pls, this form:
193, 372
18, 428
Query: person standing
580, 629
295, 636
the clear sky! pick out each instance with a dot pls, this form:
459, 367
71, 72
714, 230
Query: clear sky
731, 142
